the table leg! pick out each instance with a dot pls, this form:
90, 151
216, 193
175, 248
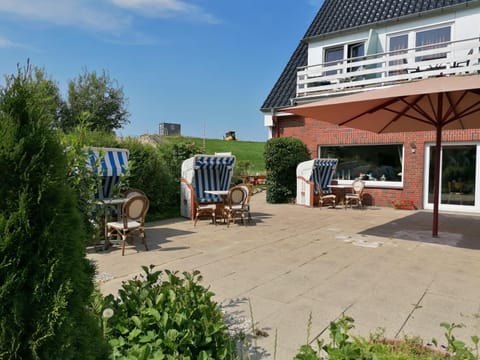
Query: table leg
106, 243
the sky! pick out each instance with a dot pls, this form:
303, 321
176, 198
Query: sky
207, 65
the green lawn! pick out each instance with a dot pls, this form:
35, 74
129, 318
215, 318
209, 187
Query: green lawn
244, 151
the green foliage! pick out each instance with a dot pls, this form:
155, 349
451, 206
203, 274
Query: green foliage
165, 316
282, 155
45, 280
149, 173
343, 346
244, 151
95, 102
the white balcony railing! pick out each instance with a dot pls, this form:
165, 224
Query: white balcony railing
349, 75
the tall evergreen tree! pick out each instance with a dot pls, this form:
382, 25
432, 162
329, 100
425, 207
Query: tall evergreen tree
46, 282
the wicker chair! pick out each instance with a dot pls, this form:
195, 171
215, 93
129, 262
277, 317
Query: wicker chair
202, 210
357, 195
133, 192
132, 220
325, 198
249, 189
235, 205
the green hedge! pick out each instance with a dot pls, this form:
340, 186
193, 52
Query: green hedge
282, 155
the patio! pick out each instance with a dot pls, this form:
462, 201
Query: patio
379, 265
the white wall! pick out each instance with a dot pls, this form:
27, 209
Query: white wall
466, 24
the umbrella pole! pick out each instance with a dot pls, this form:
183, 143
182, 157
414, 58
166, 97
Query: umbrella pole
436, 181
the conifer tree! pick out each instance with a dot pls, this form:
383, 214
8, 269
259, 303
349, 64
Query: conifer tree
46, 282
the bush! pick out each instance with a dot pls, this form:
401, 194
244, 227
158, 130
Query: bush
147, 172
173, 155
282, 155
45, 280
171, 318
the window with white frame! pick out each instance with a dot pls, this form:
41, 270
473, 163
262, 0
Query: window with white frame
366, 162
335, 55
432, 39
397, 47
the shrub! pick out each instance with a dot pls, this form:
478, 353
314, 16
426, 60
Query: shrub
282, 155
162, 315
173, 155
45, 280
148, 173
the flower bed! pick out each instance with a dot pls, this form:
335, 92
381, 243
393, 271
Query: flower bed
403, 204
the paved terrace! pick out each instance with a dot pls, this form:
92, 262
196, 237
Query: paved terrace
378, 265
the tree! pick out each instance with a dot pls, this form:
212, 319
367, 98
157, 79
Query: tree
96, 102
46, 282
282, 155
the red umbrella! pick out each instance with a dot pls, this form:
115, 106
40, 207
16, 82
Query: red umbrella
432, 104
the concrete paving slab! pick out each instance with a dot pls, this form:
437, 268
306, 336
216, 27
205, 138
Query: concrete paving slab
292, 261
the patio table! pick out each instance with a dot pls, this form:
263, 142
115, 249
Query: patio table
342, 188
222, 193
107, 204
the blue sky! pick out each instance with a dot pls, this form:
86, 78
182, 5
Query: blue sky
205, 64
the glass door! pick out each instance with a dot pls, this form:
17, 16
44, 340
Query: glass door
457, 177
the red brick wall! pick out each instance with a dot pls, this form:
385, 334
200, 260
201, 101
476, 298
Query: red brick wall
313, 133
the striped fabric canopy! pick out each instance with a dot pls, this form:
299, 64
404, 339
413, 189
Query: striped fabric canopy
108, 161
110, 164
322, 174
212, 173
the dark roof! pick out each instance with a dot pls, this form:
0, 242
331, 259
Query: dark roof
339, 15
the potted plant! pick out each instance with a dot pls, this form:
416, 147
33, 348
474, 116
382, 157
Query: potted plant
403, 204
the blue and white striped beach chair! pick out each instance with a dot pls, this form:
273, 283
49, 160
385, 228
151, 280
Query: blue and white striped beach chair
202, 173
313, 178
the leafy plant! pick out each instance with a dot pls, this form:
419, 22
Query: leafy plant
343, 346
160, 315
282, 155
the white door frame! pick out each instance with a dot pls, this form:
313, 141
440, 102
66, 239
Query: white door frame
451, 207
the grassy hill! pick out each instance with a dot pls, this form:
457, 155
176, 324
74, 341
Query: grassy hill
244, 151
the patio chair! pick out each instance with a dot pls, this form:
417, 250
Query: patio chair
132, 220
133, 192
357, 195
235, 206
202, 210
249, 189
325, 198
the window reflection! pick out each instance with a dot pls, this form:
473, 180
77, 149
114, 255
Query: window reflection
366, 162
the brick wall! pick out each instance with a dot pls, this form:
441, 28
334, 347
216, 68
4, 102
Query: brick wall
313, 133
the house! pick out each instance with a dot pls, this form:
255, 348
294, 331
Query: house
355, 46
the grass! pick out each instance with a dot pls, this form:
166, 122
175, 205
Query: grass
244, 151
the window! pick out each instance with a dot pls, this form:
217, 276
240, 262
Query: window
366, 162
432, 39
398, 45
355, 52
333, 56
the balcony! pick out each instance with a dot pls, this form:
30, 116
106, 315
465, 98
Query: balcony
384, 69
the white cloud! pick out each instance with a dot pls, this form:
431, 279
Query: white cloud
104, 15
81, 13
167, 8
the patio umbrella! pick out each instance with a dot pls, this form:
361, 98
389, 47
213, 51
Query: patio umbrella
432, 104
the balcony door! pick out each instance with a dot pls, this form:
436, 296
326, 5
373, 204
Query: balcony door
459, 178
335, 56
